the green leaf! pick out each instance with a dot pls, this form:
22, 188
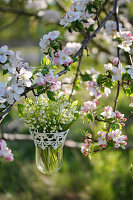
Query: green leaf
51, 95
83, 132
70, 29
79, 108
35, 72
109, 120
45, 71
86, 77
45, 61
74, 103
90, 117
123, 147
39, 89
5, 71
20, 109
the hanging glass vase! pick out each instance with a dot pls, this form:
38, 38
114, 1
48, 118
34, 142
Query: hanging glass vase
49, 150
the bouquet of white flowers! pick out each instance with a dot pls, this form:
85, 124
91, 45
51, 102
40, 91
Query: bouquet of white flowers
49, 122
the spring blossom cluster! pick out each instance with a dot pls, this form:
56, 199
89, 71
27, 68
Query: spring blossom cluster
5, 152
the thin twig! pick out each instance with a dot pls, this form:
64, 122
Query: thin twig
76, 76
118, 51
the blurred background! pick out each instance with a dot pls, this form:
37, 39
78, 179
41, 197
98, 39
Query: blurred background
108, 175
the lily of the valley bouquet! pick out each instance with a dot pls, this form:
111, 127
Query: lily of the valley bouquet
49, 122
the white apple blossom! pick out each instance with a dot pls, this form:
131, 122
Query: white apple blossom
2, 88
67, 86
4, 53
115, 61
14, 59
126, 40
93, 73
107, 91
108, 66
72, 47
125, 45
77, 12
117, 137
89, 106
13, 93
24, 77
50, 80
11, 69
62, 58
102, 142
131, 104
110, 27
93, 89
45, 41
108, 112
130, 70
117, 74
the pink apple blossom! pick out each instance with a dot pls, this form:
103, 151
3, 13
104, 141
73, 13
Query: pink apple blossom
5, 151
117, 137
102, 142
89, 106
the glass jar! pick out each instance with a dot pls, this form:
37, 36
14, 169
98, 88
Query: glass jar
48, 160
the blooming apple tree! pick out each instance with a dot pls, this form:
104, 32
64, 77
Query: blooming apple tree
84, 17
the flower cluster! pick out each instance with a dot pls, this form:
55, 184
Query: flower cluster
114, 138
123, 37
71, 48
77, 12
48, 116
48, 40
62, 58
125, 40
50, 44
19, 76
116, 116
93, 89
89, 106
5, 151
87, 147
116, 69
49, 80
117, 137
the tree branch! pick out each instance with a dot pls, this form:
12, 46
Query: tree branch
20, 12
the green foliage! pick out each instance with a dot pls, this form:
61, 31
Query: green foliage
86, 77
51, 95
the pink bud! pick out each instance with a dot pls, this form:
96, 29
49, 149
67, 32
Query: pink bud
95, 101
122, 124
124, 119
115, 61
124, 143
